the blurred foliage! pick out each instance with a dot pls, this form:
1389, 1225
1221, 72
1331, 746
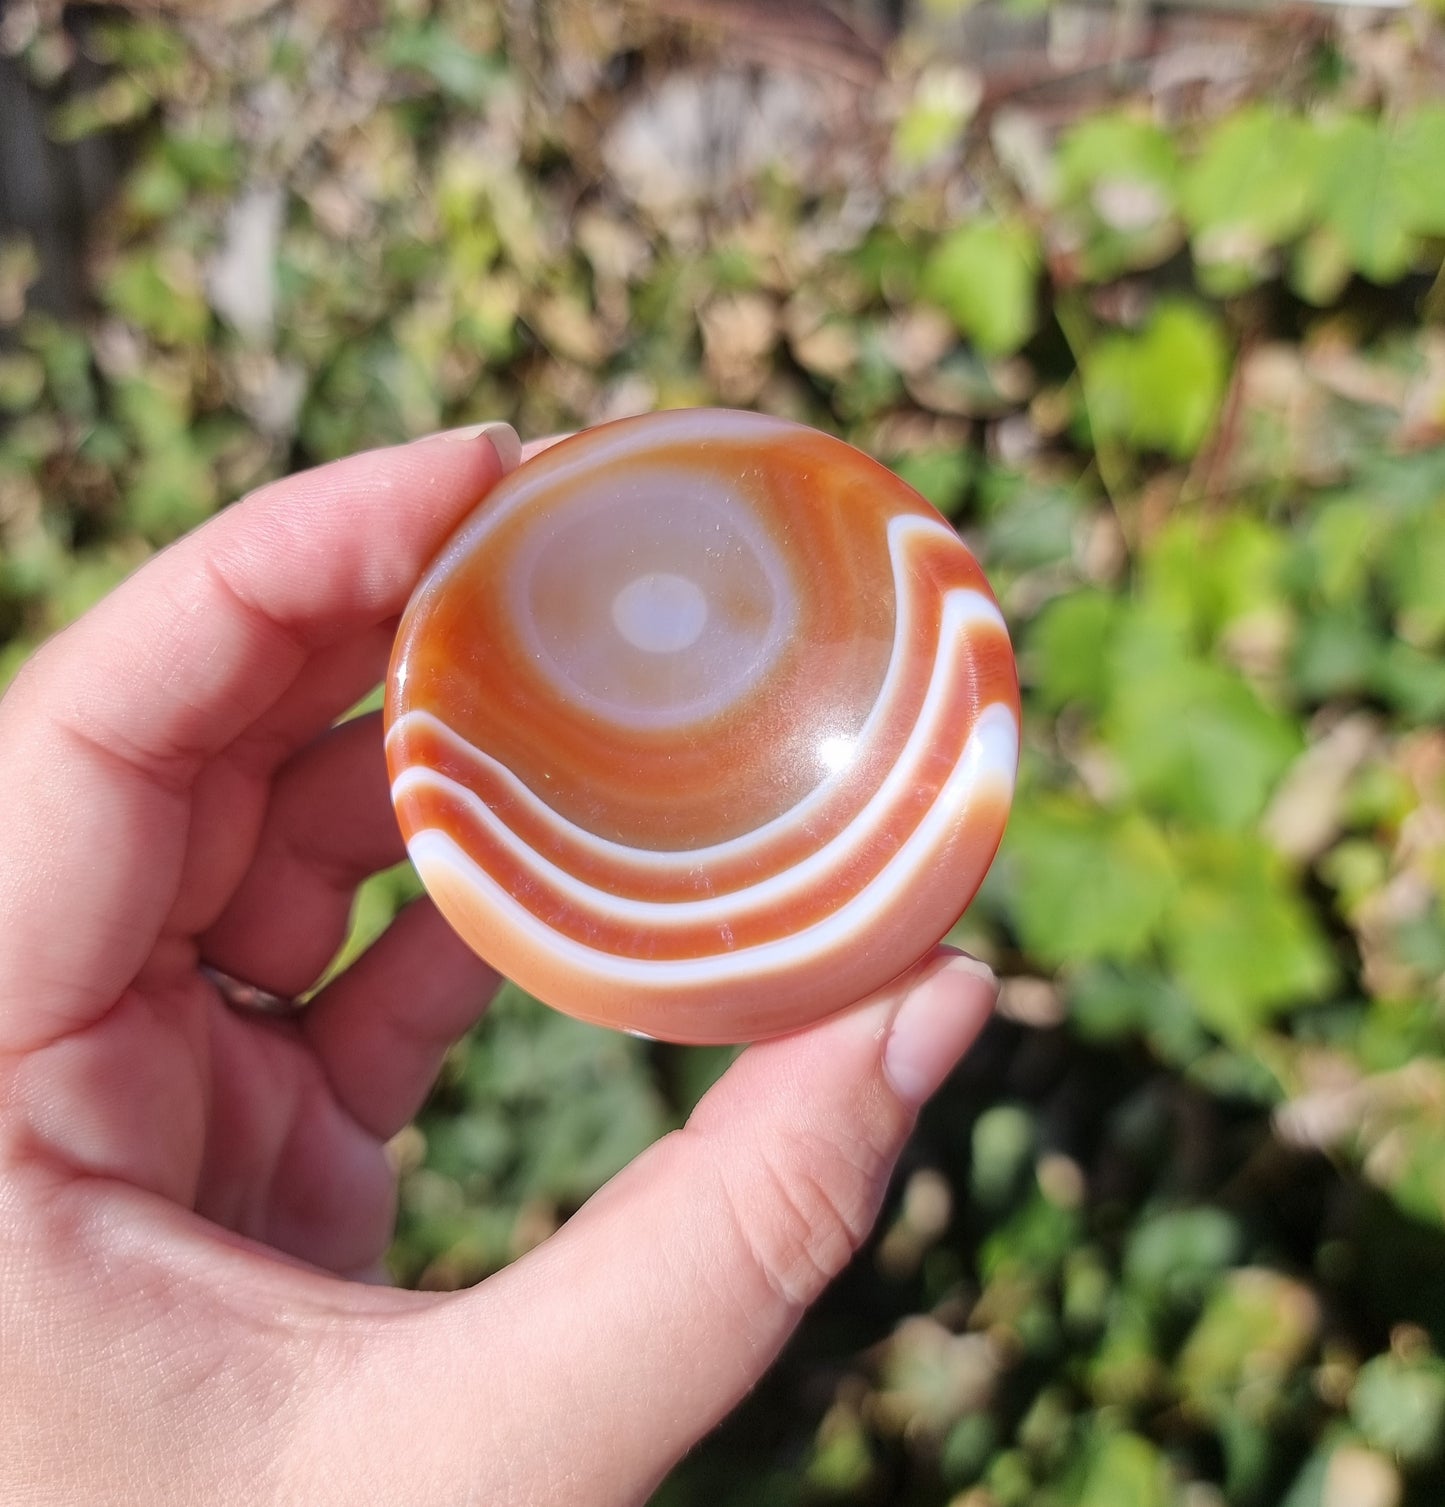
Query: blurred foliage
1168, 346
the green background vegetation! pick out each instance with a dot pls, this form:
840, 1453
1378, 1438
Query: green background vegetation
1165, 339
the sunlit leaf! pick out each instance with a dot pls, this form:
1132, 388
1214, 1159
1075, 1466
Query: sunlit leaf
1240, 937
1089, 885
942, 103
1419, 151
1255, 1330
1159, 389
1068, 649
1195, 739
1256, 172
1203, 574
1414, 571
942, 476
1126, 1471
1118, 191
1364, 199
161, 296
984, 276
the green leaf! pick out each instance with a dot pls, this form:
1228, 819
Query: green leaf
432, 50
984, 276
160, 296
156, 416
842, 1460
1117, 194
1414, 1173
22, 380
1087, 884
69, 372
1254, 185
1034, 1240
1399, 1406
1363, 199
887, 263
173, 489
1195, 740
1340, 544
1067, 649
154, 189
377, 902
1005, 1139
1125, 1471
942, 104
1240, 937
155, 49
1414, 573
1088, 1286
1159, 389
207, 160
533, 1108
1028, 521
119, 101
1204, 573
941, 476
1320, 267
1252, 1335
1107, 1002
1412, 681
1419, 183
1009, 1481
1176, 1256
970, 1444
1337, 653
1105, 148
1125, 1370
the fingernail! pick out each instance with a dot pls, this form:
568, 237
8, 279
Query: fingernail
936, 1024
503, 437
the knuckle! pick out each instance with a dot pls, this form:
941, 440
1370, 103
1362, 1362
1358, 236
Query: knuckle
806, 1208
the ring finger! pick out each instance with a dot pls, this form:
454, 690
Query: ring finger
329, 824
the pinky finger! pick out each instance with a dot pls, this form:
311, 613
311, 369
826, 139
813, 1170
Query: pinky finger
382, 1028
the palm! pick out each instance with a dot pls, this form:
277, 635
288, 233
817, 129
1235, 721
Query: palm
268, 1150
271, 1127
228, 1113
249, 1133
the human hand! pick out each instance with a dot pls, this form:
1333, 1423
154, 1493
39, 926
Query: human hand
186, 1188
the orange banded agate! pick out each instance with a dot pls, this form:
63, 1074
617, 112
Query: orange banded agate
703, 725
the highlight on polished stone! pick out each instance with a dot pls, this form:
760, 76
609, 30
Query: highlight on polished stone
704, 725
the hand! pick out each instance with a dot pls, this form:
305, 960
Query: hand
186, 1188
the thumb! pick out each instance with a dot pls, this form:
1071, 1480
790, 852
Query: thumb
584, 1371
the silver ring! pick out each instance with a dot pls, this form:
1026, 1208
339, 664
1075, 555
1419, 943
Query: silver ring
250, 997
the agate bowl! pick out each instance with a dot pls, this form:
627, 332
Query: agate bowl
703, 725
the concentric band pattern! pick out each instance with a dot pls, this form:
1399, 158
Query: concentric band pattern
704, 725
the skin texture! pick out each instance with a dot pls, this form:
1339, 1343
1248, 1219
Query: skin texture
192, 1198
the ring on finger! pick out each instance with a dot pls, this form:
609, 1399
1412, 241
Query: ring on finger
251, 998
